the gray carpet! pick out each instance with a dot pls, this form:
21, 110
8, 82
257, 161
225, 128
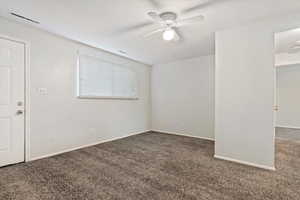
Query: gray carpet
152, 166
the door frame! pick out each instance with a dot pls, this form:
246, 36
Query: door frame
26, 92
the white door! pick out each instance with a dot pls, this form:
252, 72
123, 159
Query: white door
12, 92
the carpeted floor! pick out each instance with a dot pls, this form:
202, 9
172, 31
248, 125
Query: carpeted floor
152, 166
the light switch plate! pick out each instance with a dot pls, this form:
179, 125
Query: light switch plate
42, 91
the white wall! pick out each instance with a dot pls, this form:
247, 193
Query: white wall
245, 91
183, 97
288, 96
60, 121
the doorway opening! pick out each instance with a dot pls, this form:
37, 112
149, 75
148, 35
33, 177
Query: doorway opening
287, 89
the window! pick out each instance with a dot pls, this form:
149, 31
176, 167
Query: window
103, 79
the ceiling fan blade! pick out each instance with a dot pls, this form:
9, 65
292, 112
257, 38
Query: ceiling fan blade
154, 16
191, 20
154, 32
204, 5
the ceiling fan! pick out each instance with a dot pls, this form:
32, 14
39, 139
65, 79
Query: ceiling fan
170, 23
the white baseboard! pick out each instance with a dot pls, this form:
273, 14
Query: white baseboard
181, 134
292, 127
245, 163
85, 146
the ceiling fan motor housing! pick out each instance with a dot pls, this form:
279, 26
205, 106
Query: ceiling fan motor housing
168, 17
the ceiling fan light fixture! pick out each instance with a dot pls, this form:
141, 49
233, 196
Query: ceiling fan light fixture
169, 34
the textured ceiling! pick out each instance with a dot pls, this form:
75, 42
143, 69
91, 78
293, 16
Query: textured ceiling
101, 23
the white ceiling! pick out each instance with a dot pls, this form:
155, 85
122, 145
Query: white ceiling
285, 40
101, 23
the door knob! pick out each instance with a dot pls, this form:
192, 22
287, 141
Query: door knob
20, 112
